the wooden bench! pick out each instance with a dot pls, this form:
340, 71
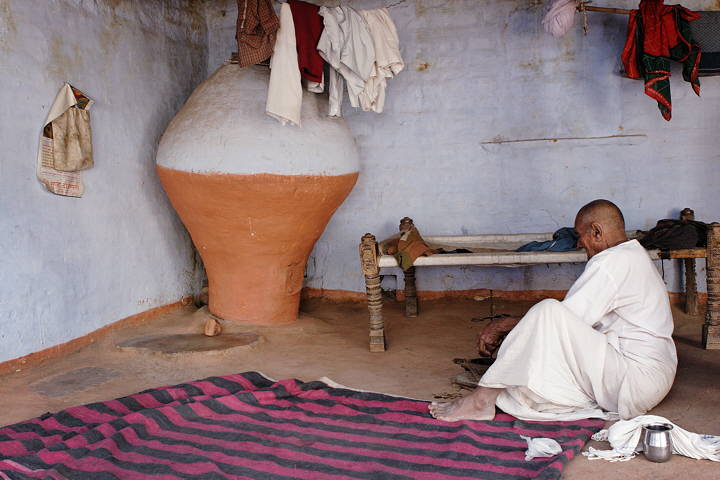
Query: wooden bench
373, 258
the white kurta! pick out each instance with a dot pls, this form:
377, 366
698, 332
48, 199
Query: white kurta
284, 100
388, 61
606, 348
347, 46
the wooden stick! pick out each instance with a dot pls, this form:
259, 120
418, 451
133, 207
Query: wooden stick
605, 9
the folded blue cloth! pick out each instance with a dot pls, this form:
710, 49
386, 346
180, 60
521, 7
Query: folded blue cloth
563, 240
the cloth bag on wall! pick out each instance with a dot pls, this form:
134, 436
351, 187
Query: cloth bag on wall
66, 143
72, 143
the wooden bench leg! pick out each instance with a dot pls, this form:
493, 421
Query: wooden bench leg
691, 298
411, 303
371, 271
711, 329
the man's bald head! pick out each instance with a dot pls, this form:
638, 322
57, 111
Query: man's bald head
602, 211
600, 225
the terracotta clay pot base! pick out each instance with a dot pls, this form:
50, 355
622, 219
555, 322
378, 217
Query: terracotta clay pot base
255, 233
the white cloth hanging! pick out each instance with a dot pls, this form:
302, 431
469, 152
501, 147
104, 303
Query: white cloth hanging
625, 438
559, 19
284, 100
347, 46
388, 60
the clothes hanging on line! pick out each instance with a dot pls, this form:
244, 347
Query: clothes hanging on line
658, 33
284, 100
388, 60
706, 32
347, 46
308, 29
257, 25
362, 49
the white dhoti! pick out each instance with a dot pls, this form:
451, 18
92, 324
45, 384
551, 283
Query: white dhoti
554, 366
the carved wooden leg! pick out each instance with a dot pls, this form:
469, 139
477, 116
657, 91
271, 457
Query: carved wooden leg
711, 329
369, 264
411, 303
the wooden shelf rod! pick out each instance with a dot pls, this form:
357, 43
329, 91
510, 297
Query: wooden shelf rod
590, 8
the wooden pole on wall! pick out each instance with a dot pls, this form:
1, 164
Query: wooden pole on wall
589, 8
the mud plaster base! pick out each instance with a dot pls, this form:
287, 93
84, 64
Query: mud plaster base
255, 233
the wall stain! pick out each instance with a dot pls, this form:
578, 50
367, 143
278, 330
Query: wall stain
60, 64
422, 7
533, 66
8, 29
115, 3
526, 6
110, 36
422, 66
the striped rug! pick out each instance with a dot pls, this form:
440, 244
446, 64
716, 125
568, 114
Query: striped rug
249, 426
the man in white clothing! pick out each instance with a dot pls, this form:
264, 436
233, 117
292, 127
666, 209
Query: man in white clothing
607, 347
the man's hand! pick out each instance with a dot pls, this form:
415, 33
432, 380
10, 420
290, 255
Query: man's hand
491, 336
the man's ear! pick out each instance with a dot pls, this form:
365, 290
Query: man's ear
596, 230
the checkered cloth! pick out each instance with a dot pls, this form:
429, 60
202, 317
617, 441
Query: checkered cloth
706, 32
257, 25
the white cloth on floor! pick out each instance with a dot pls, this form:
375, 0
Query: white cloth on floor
625, 437
347, 46
606, 348
541, 447
284, 100
388, 61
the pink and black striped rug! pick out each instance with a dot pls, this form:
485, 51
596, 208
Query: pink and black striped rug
249, 426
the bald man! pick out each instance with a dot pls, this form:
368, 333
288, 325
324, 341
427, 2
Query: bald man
605, 349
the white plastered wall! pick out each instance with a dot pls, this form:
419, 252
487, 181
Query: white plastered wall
70, 266
484, 72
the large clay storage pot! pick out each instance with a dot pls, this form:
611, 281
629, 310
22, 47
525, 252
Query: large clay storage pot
254, 195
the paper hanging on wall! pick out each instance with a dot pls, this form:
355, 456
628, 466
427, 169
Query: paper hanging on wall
66, 143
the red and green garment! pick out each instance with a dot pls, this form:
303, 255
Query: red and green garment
657, 34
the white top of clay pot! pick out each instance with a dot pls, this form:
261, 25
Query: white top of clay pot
223, 128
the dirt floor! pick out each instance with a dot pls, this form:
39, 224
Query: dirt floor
330, 339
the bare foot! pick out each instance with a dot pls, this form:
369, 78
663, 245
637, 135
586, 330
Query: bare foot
479, 405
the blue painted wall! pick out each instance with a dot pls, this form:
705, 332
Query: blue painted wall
70, 266
479, 72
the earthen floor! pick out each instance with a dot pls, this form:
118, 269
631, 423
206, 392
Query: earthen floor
330, 339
